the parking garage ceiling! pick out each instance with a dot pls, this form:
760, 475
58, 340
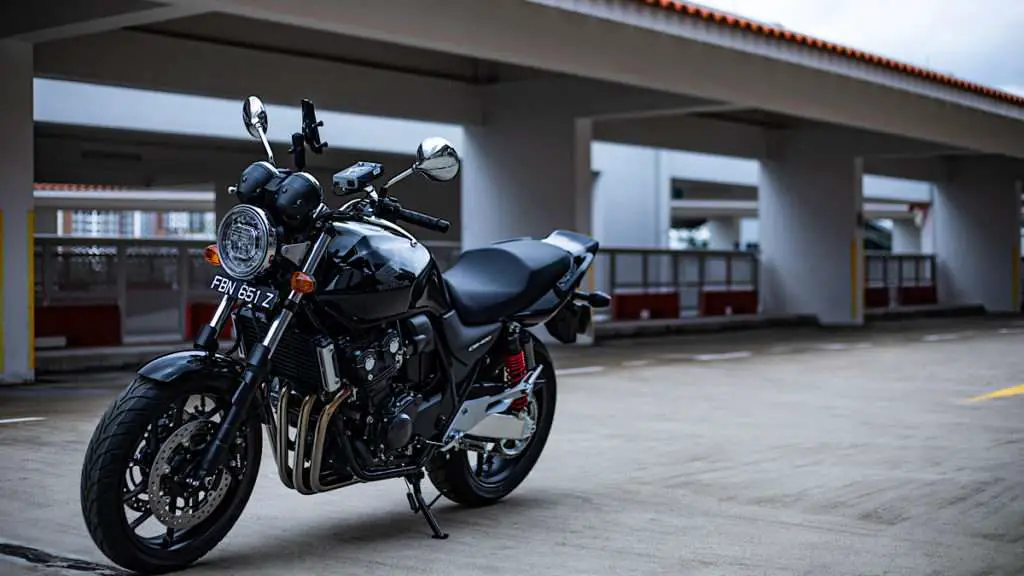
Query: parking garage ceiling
261, 35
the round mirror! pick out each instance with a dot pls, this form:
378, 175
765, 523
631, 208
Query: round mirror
437, 160
254, 116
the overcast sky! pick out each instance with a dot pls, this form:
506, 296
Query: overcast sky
978, 40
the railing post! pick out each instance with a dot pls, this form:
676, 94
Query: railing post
612, 278
49, 272
899, 280
701, 261
184, 263
680, 302
728, 272
121, 269
645, 281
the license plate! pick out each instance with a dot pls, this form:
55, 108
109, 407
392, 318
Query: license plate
246, 293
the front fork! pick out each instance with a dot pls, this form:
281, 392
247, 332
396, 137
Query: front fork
256, 363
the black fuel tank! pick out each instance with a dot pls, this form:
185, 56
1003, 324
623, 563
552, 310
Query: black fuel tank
372, 271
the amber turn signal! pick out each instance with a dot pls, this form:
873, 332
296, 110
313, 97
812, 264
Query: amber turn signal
303, 283
211, 255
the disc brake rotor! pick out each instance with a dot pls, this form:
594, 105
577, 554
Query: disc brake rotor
198, 503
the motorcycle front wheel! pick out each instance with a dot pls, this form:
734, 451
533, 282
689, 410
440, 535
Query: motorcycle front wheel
137, 507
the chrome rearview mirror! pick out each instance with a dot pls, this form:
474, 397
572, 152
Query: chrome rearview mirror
254, 116
437, 160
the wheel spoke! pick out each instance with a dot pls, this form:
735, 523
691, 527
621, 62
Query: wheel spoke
138, 490
168, 538
138, 521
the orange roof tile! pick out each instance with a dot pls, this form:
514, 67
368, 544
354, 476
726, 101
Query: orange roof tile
753, 27
76, 187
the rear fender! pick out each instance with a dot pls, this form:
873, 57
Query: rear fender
558, 298
186, 364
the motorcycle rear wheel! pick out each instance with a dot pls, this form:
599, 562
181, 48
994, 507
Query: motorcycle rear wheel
459, 481
130, 437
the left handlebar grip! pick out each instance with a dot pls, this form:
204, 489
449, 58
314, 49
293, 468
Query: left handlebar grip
419, 219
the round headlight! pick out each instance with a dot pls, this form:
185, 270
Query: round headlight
246, 241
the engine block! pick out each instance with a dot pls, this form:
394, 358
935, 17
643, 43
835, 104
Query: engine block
372, 363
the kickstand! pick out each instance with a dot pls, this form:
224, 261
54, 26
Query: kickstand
418, 505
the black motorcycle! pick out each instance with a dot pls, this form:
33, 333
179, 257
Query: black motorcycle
359, 357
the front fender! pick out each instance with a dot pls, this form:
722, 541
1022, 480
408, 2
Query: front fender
183, 364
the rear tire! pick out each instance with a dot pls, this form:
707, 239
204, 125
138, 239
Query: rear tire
452, 475
113, 455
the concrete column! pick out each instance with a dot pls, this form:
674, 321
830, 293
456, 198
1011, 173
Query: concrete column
525, 174
906, 237
725, 233
810, 238
17, 301
976, 216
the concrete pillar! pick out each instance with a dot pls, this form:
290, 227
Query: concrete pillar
810, 236
525, 174
976, 228
725, 233
17, 301
906, 237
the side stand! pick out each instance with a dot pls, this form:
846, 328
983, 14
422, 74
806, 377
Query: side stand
419, 505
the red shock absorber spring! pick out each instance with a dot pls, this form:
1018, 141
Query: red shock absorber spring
515, 365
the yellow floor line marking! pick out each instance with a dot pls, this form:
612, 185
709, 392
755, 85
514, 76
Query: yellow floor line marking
1004, 393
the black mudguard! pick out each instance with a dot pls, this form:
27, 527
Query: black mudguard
184, 364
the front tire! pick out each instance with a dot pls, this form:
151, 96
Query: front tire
455, 478
137, 431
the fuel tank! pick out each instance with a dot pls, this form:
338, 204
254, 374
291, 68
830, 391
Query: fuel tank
374, 270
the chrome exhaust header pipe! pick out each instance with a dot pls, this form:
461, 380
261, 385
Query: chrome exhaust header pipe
301, 468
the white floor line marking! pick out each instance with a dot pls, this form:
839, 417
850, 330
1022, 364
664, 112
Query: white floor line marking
580, 370
1010, 330
941, 337
20, 420
635, 363
837, 346
722, 356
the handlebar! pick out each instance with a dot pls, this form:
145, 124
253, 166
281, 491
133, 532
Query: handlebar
420, 219
391, 207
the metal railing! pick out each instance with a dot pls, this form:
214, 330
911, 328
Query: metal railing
893, 275
686, 275
153, 282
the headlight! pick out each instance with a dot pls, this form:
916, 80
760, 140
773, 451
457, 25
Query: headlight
246, 241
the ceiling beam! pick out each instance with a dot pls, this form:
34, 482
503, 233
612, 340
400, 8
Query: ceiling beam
98, 25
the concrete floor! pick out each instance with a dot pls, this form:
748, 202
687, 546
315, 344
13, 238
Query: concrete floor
776, 452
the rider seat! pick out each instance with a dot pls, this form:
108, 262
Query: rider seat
497, 281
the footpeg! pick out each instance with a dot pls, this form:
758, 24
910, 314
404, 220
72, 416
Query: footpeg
594, 299
419, 505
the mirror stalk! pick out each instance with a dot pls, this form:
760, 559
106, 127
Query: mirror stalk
266, 145
399, 177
